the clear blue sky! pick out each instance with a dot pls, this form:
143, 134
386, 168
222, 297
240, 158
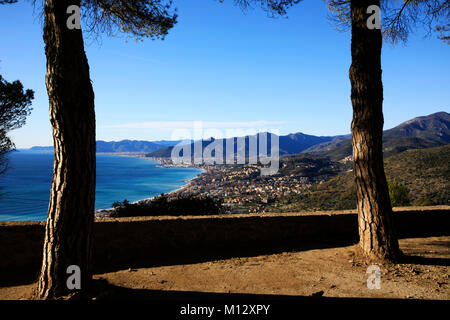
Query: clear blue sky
227, 69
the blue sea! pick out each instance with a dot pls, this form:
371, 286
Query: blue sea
25, 187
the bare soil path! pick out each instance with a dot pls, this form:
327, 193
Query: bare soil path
334, 272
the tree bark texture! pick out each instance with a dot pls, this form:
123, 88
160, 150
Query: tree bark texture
375, 218
72, 115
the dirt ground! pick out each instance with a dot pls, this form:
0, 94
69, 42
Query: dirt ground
334, 272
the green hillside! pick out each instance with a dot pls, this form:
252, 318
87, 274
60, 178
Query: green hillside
391, 146
425, 173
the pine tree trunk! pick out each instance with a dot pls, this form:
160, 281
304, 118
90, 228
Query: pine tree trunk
71, 209
375, 218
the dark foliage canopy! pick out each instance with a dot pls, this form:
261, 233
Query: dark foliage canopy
273, 7
14, 108
163, 206
400, 18
136, 18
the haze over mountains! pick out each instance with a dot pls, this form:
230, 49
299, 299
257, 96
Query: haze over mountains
421, 132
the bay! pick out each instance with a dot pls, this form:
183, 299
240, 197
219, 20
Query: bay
25, 187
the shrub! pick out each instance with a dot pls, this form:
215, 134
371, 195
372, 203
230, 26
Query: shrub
398, 193
163, 206
425, 201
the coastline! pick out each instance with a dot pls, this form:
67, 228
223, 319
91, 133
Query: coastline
184, 186
101, 213
162, 165
32, 204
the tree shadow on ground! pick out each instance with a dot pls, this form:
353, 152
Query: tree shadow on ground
142, 259
193, 255
174, 256
425, 261
104, 291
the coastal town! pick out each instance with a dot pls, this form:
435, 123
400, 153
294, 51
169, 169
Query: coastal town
242, 188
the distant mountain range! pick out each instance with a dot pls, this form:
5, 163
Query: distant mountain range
124, 146
418, 133
290, 144
132, 146
422, 132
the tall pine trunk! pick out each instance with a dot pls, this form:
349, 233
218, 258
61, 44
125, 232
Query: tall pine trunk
375, 218
71, 209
